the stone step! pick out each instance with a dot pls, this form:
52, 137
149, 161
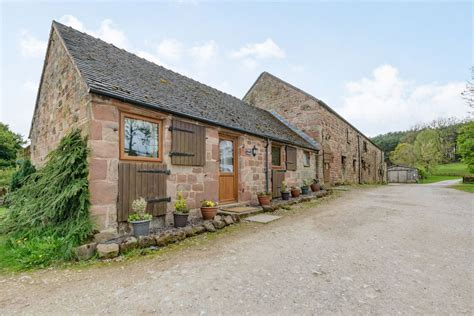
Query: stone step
239, 211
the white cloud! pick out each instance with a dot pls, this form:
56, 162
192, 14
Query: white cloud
386, 102
73, 22
150, 57
30, 46
107, 31
170, 49
264, 50
31, 86
205, 53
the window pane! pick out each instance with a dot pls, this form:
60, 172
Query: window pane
226, 152
307, 159
276, 156
141, 138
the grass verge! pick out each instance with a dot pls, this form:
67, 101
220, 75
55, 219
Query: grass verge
436, 178
466, 187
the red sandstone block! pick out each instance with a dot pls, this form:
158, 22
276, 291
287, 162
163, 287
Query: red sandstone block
192, 179
198, 187
96, 130
104, 113
103, 192
98, 169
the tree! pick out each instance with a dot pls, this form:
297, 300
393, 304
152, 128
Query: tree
389, 141
404, 154
468, 94
427, 149
466, 145
10, 143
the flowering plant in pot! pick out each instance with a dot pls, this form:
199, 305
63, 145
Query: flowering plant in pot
315, 186
181, 212
139, 219
285, 194
264, 198
208, 209
295, 191
305, 186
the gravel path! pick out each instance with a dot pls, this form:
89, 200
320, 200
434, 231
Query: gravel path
384, 250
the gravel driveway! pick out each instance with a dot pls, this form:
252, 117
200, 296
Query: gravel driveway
383, 250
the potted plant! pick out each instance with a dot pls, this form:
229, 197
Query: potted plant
264, 198
208, 209
285, 194
295, 191
305, 186
139, 219
315, 186
181, 211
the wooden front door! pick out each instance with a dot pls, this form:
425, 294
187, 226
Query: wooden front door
227, 169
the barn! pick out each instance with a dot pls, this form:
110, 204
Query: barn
153, 133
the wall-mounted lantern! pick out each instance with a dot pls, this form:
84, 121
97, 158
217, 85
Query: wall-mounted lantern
254, 151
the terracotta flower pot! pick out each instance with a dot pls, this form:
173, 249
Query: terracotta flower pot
315, 187
264, 199
295, 193
208, 212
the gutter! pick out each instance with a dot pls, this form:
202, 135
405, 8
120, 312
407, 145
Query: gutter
189, 116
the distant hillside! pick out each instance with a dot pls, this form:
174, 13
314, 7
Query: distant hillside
448, 130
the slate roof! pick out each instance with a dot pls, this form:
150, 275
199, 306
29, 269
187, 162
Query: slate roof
116, 73
322, 103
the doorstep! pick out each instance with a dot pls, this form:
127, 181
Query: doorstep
240, 210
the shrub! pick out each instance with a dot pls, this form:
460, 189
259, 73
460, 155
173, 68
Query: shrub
208, 203
139, 208
180, 205
20, 176
466, 145
284, 187
51, 209
6, 176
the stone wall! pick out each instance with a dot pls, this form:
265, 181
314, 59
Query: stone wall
337, 138
197, 183
302, 172
252, 178
63, 102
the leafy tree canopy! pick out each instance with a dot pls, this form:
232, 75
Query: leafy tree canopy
466, 145
10, 143
427, 149
404, 154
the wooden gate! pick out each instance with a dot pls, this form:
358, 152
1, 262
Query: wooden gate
278, 176
138, 179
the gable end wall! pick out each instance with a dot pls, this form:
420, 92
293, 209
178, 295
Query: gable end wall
63, 102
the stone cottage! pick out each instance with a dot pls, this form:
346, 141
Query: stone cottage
153, 132
346, 155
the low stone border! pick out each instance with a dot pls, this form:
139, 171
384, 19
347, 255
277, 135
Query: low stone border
108, 245
277, 204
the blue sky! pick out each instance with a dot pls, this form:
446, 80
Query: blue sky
384, 66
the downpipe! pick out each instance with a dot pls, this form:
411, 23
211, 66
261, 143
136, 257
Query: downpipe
267, 178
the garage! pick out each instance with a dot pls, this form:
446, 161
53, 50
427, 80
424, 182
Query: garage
402, 174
